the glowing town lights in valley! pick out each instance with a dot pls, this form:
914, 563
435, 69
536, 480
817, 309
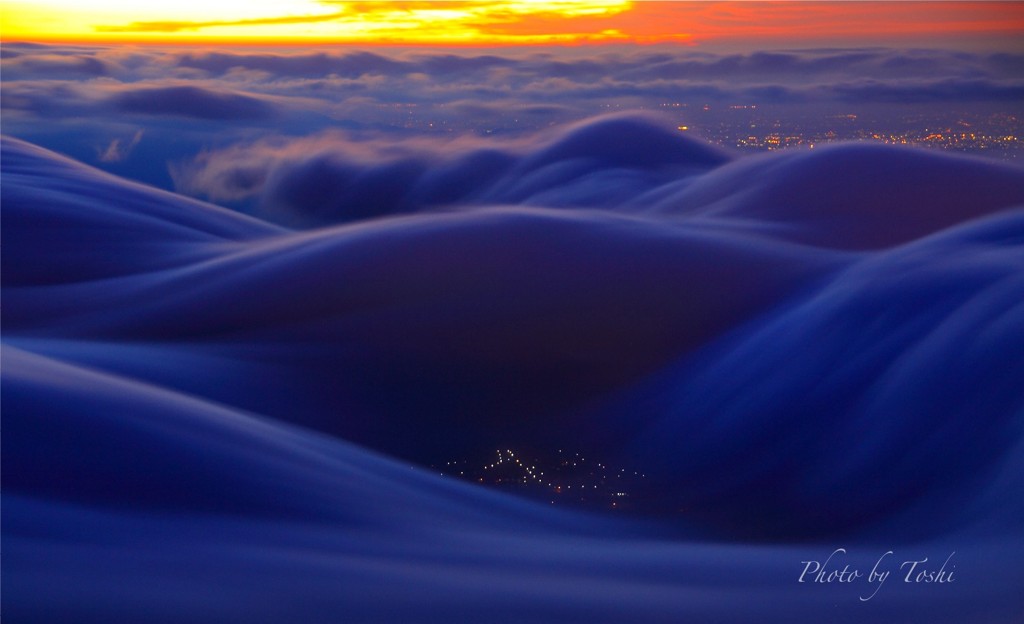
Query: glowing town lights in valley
590, 483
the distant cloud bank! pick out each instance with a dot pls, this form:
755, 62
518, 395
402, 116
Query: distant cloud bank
194, 106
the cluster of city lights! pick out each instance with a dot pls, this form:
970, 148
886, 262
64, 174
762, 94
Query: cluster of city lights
568, 477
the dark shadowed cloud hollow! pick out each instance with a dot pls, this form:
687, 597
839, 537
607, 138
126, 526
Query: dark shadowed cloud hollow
210, 416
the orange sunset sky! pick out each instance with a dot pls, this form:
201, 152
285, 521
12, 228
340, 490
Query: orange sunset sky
510, 22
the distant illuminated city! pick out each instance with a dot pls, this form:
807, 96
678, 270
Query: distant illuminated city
567, 478
982, 130
753, 127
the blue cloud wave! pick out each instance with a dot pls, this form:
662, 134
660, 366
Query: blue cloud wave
197, 396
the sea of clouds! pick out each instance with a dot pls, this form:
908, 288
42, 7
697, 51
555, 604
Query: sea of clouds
215, 414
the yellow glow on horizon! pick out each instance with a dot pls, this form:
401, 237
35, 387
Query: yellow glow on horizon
508, 22
408, 21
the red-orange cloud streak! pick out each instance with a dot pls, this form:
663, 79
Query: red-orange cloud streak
524, 22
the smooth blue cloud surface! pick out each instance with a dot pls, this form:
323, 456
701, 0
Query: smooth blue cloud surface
209, 416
